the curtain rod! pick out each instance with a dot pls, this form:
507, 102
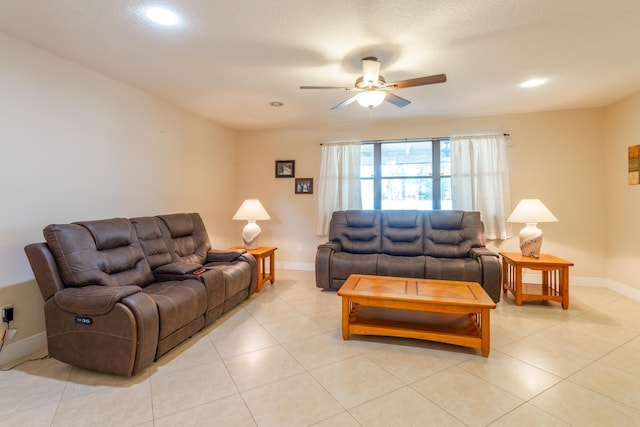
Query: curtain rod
378, 141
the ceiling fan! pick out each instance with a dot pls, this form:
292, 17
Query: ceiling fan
373, 89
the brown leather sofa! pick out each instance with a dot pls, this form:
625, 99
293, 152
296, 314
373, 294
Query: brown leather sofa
119, 293
447, 245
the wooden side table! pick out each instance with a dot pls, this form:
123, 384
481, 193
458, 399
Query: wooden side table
261, 253
555, 278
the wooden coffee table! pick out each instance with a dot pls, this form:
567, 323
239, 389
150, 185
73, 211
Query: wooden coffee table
436, 310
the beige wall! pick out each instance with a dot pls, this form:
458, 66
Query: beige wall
556, 156
77, 145
622, 201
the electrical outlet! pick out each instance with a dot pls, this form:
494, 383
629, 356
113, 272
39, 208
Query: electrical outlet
11, 333
7, 313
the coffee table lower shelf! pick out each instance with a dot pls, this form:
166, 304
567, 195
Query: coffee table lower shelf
454, 329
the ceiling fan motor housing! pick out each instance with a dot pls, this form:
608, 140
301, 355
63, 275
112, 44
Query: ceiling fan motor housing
362, 84
370, 74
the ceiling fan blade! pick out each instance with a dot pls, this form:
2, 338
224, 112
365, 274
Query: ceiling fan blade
325, 87
344, 103
419, 81
370, 71
396, 100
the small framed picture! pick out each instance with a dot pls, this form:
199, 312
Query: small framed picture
304, 185
285, 168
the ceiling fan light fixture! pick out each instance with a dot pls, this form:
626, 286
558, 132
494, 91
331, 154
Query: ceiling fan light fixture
371, 98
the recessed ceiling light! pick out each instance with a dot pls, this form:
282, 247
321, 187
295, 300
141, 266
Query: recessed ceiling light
533, 83
276, 104
162, 16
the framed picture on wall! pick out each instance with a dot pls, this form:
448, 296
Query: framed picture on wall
304, 185
634, 165
285, 168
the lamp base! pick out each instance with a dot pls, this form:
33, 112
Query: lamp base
531, 240
250, 234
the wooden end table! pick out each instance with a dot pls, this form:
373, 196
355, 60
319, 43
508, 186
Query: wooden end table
555, 277
261, 253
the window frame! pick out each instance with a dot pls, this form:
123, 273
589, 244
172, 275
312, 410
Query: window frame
435, 177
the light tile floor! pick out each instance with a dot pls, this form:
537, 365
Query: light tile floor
279, 360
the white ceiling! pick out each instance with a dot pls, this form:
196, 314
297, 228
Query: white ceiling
231, 58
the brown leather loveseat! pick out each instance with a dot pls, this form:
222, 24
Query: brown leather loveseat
446, 245
119, 293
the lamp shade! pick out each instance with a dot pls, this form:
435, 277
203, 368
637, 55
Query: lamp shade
370, 98
531, 211
251, 209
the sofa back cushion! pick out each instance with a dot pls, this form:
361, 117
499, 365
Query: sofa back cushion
186, 237
358, 232
402, 232
452, 234
105, 252
153, 245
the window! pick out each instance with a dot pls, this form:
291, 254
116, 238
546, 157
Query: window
407, 174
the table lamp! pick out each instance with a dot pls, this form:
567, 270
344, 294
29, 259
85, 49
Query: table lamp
531, 212
251, 210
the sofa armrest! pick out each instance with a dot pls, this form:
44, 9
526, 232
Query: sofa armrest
479, 252
217, 255
45, 269
331, 246
324, 254
491, 271
145, 311
251, 260
120, 341
92, 300
179, 268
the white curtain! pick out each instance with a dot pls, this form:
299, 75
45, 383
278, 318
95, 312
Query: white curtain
480, 181
339, 187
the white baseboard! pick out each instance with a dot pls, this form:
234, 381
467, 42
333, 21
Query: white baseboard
23, 347
625, 290
589, 282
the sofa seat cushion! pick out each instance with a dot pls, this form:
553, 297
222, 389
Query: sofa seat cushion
463, 269
237, 276
402, 266
345, 264
178, 302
